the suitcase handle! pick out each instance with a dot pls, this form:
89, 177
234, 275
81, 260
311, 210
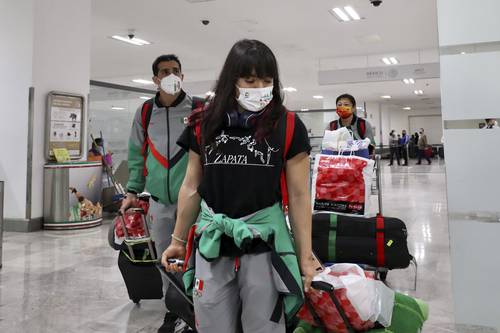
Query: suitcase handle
324, 286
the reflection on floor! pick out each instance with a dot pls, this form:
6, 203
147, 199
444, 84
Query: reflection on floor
69, 282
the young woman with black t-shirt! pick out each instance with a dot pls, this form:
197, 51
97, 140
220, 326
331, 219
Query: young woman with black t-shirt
246, 271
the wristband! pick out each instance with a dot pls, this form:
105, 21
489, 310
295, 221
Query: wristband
179, 239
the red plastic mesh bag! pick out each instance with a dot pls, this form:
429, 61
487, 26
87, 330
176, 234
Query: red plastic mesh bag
342, 183
327, 312
134, 221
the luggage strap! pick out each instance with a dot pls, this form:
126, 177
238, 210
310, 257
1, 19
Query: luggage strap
332, 238
380, 239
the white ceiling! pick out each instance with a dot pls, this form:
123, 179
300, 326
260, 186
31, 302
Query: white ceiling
305, 37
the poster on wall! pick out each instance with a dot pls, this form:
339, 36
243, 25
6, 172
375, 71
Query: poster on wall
65, 116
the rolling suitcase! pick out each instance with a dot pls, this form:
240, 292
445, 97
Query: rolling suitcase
137, 263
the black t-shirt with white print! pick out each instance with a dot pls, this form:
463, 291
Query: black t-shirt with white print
241, 175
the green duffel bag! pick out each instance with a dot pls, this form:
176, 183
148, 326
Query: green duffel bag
408, 316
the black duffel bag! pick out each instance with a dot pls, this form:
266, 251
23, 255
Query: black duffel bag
378, 241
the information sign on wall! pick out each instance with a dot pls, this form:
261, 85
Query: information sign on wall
65, 127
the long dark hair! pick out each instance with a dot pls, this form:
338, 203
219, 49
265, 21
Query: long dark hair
246, 58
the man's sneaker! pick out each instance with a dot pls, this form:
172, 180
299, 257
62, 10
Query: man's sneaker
169, 323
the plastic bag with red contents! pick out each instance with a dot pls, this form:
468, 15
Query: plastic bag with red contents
134, 222
342, 184
363, 299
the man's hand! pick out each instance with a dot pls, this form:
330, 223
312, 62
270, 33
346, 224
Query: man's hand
128, 202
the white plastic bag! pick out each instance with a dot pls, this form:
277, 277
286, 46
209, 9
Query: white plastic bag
372, 300
337, 140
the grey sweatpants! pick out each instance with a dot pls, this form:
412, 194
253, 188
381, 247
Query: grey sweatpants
162, 219
226, 300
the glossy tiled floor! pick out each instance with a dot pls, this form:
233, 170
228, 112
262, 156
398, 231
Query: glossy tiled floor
69, 281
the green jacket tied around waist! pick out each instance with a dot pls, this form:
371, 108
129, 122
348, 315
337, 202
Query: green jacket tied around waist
269, 225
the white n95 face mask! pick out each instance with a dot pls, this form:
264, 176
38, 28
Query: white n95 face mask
171, 84
255, 99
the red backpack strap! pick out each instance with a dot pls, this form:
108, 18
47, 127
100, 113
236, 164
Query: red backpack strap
197, 133
334, 125
146, 111
362, 127
289, 130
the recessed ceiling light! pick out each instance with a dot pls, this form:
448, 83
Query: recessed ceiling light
145, 97
290, 89
386, 97
341, 15
355, 16
463, 52
418, 92
409, 81
318, 97
304, 109
117, 108
386, 61
134, 41
394, 61
142, 81
407, 108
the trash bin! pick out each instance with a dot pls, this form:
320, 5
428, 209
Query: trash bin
1, 221
65, 209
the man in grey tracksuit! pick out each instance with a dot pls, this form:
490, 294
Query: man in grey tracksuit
158, 165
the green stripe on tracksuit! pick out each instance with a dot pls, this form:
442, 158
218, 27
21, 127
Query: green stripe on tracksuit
156, 181
270, 226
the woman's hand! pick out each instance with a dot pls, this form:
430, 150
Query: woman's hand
174, 251
309, 267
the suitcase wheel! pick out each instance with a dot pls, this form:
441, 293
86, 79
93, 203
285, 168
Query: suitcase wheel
136, 300
383, 276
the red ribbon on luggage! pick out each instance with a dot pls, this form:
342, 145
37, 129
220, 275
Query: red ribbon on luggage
380, 239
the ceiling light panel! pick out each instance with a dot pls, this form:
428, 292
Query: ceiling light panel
348, 13
142, 81
134, 41
341, 15
390, 60
386, 96
352, 13
318, 97
386, 61
290, 89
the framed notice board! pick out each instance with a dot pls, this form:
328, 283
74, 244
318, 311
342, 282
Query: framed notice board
65, 124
